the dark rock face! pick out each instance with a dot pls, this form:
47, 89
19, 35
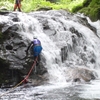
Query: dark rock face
13, 46
13, 56
8, 77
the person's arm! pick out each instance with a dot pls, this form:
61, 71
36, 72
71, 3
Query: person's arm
28, 48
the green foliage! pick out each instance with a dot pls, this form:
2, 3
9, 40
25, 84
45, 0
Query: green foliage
74, 4
92, 10
94, 13
78, 7
86, 3
95, 2
6, 4
32, 5
88, 7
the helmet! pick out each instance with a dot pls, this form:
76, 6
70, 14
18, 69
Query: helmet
34, 37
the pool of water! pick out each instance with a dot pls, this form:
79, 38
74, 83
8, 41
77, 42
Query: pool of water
59, 91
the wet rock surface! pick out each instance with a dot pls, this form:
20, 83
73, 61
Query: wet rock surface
81, 75
13, 45
13, 56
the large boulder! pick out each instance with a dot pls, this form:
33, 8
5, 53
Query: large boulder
80, 74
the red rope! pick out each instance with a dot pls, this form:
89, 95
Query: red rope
22, 80
25, 79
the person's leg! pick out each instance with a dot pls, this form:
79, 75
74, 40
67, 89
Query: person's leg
37, 51
39, 58
19, 7
15, 7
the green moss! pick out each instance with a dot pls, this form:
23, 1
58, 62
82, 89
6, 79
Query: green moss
92, 11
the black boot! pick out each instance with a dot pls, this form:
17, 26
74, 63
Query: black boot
19, 9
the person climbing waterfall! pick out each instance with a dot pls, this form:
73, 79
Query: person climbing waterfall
36, 47
17, 5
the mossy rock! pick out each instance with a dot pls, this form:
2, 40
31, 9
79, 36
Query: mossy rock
92, 13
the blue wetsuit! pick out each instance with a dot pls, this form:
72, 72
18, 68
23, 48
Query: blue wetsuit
36, 48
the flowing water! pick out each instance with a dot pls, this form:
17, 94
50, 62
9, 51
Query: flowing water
53, 29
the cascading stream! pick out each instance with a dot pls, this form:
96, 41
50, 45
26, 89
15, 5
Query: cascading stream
61, 36
68, 44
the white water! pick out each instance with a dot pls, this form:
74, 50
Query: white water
91, 91
30, 26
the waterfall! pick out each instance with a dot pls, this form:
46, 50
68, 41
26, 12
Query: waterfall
68, 40
70, 43
50, 50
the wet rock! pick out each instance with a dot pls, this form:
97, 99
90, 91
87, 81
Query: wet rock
12, 50
80, 74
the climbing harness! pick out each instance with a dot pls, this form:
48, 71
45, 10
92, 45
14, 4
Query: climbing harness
34, 64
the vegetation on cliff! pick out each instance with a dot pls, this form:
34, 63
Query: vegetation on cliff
31, 5
90, 8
